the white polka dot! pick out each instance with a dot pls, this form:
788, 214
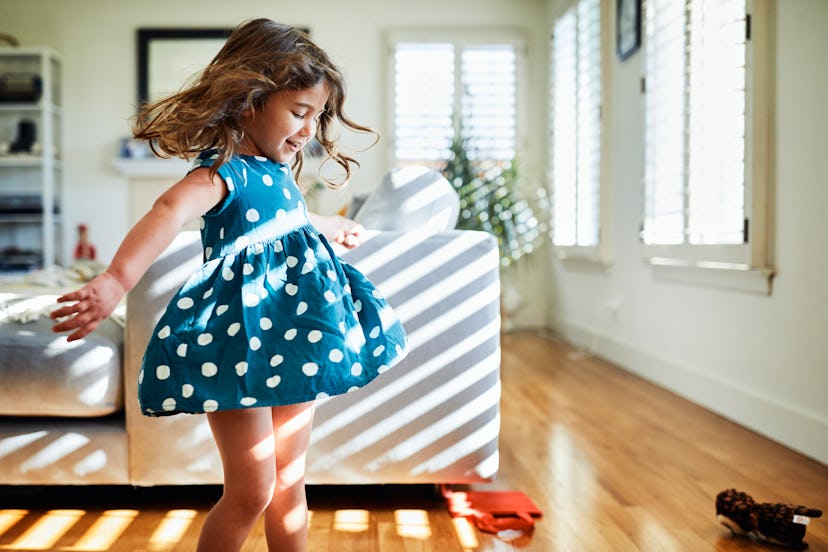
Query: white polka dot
208, 252
168, 404
221, 309
181, 350
291, 261
255, 343
273, 381
307, 267
332, 274
352, 389
164, 332
210, 405
278, 247
276, 360
247, 401
201, 223
242, 242
310, 368
265, 323
221, 233
330, 296
185, 303
290, 334
229, 182
207, 294
241, 368
208, 369
258, 248
227, 273
187, 390
301, 308
375, 332
252, 215
251, 300
247, 269
347, 288
314, 336
204, 339
382, 369
336, 355
379, 350
376, 294
281, 215
356, 369
267, 180
286, 192
358, 305
342, 326
162, 372
321, 396
141, 376
233, 329
291, 289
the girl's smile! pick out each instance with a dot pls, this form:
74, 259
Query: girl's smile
286, 123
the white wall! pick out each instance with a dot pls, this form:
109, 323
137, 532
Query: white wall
97, 41
760, 360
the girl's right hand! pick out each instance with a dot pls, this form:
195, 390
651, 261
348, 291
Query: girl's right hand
93, 302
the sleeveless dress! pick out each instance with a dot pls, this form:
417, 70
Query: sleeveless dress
272, 317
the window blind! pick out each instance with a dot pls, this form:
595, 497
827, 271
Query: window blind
576, 125
694, 105
449, 89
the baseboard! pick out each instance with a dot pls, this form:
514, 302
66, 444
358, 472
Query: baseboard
787, 424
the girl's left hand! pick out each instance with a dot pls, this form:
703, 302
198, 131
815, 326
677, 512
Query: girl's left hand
339, 229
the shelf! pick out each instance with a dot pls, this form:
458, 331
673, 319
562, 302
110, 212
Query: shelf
28, 161
26, 218
29, 107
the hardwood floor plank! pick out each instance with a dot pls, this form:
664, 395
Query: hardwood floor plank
614, 462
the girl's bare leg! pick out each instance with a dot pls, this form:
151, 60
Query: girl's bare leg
286, 518
247, 447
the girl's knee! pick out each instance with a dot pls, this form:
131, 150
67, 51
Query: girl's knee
250, 494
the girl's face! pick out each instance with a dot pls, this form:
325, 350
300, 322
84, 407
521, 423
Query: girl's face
286, 124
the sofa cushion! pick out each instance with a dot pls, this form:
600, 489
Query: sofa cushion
410, 198
45, 375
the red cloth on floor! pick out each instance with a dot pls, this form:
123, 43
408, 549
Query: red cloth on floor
493, 511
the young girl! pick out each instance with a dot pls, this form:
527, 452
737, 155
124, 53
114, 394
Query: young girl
272, 320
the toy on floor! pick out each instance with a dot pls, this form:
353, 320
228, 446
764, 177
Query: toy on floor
782, 524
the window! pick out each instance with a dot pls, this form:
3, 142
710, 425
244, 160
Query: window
457, 88
705, 190
575, 159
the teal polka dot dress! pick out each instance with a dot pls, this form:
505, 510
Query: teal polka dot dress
272, 317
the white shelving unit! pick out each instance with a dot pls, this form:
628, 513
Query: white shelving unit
35, 177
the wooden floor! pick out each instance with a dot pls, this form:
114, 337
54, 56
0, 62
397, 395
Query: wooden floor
614, 462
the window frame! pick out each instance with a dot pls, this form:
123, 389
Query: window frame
459, 36
748, 266
601, 252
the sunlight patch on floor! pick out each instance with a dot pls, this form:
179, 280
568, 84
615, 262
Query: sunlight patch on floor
47, 531
352, 521
171, 529
412, 524
466, 534
105, 532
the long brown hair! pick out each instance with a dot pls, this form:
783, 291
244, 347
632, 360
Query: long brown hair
259, 58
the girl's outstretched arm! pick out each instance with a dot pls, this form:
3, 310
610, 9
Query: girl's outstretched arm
189, 198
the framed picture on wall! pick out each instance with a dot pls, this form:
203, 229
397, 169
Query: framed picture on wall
628, 28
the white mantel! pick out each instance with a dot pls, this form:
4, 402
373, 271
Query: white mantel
148, 178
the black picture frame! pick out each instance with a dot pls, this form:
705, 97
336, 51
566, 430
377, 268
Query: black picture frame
146, 37
627, 28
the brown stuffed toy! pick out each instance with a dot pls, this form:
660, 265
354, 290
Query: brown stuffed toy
782, 524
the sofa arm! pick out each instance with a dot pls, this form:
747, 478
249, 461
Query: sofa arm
433, 418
